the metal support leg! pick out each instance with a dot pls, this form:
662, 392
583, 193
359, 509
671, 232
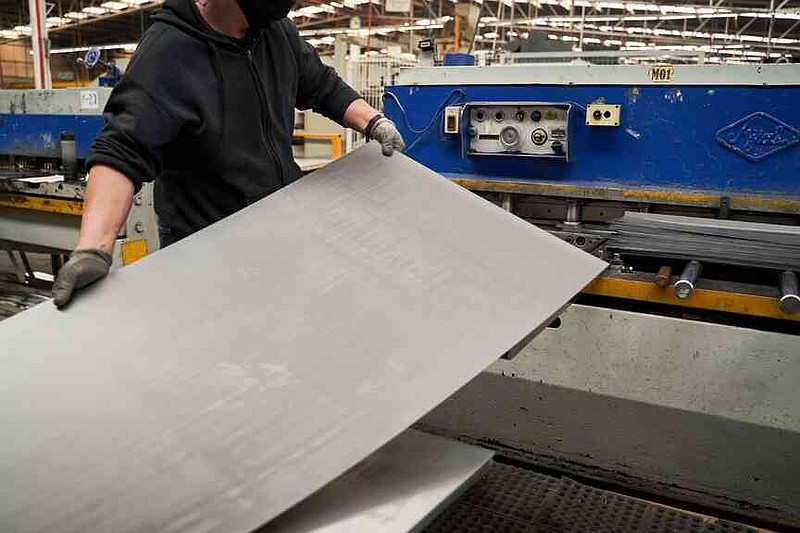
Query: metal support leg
573, 214
507, 201
18, 270
27, 265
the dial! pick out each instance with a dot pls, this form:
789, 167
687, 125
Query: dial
509, 136
539, 136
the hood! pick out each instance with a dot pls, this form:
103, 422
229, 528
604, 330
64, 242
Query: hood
184, 15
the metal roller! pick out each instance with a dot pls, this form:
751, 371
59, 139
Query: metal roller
684, 287
790, 299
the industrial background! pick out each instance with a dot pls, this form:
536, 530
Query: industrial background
725, 31
661, 136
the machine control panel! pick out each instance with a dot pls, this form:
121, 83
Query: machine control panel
602, 115
518, 129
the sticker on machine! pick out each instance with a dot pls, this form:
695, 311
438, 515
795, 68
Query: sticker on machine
661, 73
90, 100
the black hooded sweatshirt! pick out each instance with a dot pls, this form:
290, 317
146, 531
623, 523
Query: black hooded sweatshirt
210, 116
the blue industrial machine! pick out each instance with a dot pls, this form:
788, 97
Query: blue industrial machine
33, 121
44, 138
726, 131
571, 147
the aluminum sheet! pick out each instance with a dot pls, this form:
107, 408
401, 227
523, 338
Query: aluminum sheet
721, 241
218, 382
397, 489
737, 229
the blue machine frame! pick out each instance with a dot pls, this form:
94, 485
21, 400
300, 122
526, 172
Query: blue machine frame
723, 129
32, 121
39, 135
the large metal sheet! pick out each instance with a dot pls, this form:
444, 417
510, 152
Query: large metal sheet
216, 383
397, 489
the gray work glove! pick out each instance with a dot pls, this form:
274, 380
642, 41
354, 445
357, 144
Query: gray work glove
83, 268
385, 132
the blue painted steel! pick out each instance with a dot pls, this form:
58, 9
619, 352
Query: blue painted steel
667, 137
39, 135
456, 59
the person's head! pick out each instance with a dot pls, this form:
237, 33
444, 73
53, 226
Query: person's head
259, 13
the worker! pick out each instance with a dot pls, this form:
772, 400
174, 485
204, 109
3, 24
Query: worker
206, 109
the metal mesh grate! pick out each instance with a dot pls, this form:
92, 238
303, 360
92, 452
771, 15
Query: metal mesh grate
510, 492
577, 507
462, 518
510, 499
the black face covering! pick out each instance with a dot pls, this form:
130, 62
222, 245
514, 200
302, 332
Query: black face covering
259, 13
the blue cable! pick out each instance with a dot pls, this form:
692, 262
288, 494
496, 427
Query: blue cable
421, 133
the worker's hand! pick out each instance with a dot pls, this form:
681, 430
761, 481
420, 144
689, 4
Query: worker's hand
83, 268
385, 132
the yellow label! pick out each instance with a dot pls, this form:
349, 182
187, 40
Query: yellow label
661, 73
132, 251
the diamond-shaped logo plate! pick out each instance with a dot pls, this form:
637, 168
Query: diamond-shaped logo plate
758, 136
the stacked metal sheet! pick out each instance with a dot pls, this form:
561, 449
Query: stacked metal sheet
222, 380
730, 242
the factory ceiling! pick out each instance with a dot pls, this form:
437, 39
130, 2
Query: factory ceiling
755, 30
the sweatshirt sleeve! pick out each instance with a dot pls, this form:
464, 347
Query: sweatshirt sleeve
145, 112
320, 88
136, 129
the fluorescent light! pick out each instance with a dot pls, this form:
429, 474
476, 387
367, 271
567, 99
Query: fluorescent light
75, 15
56, 21
115, 6
26, 30
128, 47
94, 10
309, 11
